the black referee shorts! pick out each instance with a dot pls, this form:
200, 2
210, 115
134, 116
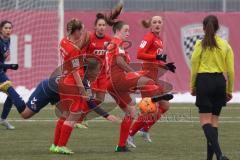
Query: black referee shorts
210, 92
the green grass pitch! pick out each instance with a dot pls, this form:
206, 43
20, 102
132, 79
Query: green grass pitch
178, 136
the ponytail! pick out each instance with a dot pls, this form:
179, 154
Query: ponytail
111, 19
146, 23
210, 26
74, 25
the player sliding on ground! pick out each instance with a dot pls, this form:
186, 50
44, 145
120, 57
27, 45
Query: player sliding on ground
151, 52
123, 79
48, 92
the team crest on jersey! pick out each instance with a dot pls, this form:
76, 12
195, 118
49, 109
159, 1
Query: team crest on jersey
191, 33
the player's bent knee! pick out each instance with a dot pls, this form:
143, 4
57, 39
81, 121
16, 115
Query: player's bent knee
27, 113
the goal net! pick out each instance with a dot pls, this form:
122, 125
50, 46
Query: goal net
34, 40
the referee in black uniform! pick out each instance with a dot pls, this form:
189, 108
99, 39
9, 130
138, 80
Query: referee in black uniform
212, 58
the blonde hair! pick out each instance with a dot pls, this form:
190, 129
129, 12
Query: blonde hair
73, 25
146, 23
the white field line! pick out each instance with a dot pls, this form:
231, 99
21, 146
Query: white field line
103, 120
171, 108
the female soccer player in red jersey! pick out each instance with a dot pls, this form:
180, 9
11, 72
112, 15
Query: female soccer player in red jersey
97, 46
150, 51
69, 52
120, 84
73, 105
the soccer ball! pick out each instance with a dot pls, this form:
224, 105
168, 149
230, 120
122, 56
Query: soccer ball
147, 106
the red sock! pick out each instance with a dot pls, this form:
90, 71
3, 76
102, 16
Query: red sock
124, 131
137, 125
154, 119
58, 130
149, 123
65, 134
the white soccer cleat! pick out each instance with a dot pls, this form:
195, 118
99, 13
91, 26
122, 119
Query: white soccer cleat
83, 125
5, 123
145, 136
130, 142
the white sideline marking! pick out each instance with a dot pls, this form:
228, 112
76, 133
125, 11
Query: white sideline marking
103, 120
171, 108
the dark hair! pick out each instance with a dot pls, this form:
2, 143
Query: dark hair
210, 26
92, 63
74, 25
146, 23
98, 17
116, 26
111, 19
2, 23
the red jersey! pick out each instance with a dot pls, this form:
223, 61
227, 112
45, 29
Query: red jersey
70, 55
97, 46
149, 48
115, 48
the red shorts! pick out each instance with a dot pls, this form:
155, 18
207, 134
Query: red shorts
73, 103
152, 71
121, 90
100, 84
70, 98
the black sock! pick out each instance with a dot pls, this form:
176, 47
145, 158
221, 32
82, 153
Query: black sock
212, 138
6, 108
210, 151
16, 99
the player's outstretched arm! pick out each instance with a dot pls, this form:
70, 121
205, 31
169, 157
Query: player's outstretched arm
101, 112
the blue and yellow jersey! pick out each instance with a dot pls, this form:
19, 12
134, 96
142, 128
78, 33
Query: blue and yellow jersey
4, 49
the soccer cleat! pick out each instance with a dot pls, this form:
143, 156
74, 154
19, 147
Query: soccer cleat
130, 142
83, 125
145, 135
63, 150
122, 149
223, 158
5, 85
5, 123
166, 97
53, 148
